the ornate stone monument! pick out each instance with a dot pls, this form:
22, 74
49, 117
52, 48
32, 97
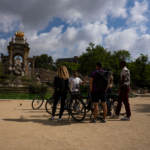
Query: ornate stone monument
18, 47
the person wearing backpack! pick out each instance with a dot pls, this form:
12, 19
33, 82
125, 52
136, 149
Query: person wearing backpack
61, 86
99, 83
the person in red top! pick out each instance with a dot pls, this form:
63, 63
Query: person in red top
123, 92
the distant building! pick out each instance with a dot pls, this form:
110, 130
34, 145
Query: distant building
69, 60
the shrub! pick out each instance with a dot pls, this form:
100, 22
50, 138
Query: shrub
38, 88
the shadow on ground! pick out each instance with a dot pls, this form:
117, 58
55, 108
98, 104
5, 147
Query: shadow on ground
142, 108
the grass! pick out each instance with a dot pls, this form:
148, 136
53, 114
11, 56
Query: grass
20, 96
23, 96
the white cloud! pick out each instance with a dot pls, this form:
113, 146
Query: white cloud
143, 28
2, 45
138, 12
128, 39
74, 39
124, 39
35, 15
8, 22
142, 45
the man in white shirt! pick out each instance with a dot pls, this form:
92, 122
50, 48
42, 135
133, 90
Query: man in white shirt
75, 82
123, 92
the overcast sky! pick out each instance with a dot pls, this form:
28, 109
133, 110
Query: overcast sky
64, 28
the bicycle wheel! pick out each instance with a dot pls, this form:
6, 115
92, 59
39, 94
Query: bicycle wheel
49, 106
37, 102
77, 109
115, 103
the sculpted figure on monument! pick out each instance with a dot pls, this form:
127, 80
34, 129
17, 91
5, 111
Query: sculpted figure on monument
17, 70
37, 79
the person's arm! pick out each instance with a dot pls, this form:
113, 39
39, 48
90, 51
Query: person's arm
67, 83
82, 83
122, 81
91, 84
108, 83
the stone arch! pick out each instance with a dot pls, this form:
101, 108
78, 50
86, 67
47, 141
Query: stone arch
18, 54
5, 62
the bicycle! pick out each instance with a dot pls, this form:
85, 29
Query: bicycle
89, 105
37, 102
73, 105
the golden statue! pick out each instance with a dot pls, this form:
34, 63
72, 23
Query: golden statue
19, 34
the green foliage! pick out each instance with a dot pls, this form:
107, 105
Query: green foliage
38, 88
44, 61
25, 80
140, 71
83, 89
70, 66
98, 53
1, 68
122, 55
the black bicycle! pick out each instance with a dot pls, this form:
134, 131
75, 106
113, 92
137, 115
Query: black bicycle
73, 104
37, 102
112, 98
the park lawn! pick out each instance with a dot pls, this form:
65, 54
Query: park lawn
23, 96
20, 96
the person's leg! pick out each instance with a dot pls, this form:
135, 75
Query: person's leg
95, 110
103, 101
104, 110
126, 101
56, 99
63, 98
95, 100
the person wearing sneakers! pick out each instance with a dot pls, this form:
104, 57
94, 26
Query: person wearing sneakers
97, 93
123, 92
75, 82
61, 85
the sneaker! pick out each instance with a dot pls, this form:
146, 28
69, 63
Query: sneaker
126, 118
59, 119
103, 121
94, 121
115, 116
52, 118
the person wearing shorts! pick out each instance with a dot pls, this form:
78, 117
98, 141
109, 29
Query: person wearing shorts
97, 94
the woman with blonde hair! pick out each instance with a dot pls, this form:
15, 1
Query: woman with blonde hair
61, 85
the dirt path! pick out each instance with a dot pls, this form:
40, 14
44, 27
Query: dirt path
22, 128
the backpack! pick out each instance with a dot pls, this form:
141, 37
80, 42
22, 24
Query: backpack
59, 84
102, 80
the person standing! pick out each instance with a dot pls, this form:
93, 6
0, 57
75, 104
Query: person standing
75, 82
109, 91
123, 92
61, 85
98, 94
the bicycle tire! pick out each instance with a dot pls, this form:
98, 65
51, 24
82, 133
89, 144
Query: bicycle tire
49, 106
115, 103
36, 100
77, 110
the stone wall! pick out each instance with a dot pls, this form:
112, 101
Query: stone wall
45, 75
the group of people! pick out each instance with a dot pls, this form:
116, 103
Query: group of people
62, 81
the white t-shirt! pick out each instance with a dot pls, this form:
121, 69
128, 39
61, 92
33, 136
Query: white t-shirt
75, 83
126, 73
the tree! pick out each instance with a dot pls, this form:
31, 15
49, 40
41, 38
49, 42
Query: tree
44, 61
122, 55
1, 68
140, 71
71, 67
92, 55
